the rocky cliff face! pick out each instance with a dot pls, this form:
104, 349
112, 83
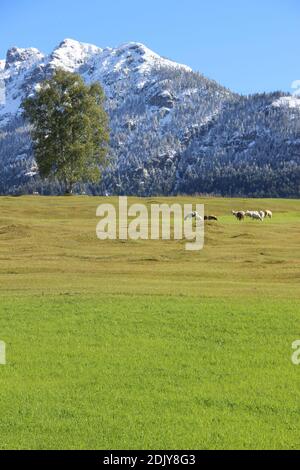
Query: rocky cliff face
172, 130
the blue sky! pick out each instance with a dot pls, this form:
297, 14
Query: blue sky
247, 45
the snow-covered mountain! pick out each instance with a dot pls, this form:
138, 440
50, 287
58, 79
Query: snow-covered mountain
23, 69
172, 130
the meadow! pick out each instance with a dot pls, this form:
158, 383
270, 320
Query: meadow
141, 344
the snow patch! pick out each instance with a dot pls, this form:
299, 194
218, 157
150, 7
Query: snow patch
287, 101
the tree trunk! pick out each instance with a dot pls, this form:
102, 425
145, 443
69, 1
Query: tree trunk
69, 189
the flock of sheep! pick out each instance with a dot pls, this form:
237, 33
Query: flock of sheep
240, 215
255, 215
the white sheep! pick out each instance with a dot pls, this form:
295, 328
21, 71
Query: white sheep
257, 216
194, 215
269, 214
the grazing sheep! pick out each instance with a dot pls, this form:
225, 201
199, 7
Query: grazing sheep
257, 216
240, 215
269, 214
262, 214
194, 215
211, 217
251, 213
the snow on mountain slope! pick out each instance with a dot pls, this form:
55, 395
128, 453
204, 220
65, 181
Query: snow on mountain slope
18, 59
2, 83
125, 71
132, 62
19, 65
287, 101
24, 68
71, 55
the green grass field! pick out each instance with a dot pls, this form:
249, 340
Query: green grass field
143, 345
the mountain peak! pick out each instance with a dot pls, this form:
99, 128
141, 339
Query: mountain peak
69, 42
74, 44
71, 54
148, 55
137, 47
16, 56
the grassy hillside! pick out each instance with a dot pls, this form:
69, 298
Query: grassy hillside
115, 344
